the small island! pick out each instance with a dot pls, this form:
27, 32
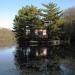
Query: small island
49, 25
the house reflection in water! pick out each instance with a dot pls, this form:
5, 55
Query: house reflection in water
32, 53
43, 52
35, 52
36, 59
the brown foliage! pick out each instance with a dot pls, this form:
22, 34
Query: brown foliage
7, 37
69, 15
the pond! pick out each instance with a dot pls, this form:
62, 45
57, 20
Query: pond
37, 60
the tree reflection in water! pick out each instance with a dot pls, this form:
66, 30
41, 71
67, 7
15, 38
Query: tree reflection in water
37, 60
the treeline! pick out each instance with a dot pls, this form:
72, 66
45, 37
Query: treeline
7, 37
59, 24
69, 23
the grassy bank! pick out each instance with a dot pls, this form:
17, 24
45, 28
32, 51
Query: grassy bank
7, 37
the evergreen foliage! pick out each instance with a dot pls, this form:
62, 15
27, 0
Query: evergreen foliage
53, 15
30, 18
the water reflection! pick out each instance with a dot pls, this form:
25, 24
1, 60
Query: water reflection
44, 60
39, 59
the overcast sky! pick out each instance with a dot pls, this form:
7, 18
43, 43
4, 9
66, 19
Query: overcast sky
9, 8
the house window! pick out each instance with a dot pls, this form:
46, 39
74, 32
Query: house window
27, 31
36, 32
44, 32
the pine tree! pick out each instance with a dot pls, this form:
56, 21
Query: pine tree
52, 14
26, 20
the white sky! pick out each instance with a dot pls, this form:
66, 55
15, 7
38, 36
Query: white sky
5, 23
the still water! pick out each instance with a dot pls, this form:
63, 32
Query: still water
37, 60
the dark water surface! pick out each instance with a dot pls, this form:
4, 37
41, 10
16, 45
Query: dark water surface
38, 60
